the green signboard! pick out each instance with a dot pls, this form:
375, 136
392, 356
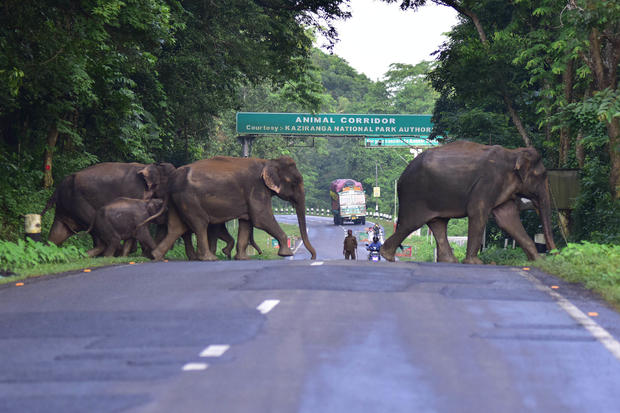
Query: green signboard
333, 124
400, 142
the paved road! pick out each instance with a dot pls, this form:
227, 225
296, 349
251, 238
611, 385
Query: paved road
306, 336
325, 237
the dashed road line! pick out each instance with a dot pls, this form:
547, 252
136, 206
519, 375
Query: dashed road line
267, 305
598, 332
215, 350
317, 263
195, 366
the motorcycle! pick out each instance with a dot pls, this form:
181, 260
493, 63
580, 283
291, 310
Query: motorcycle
373, 254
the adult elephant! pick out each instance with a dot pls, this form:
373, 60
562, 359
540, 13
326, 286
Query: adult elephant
215, 232
216, 190
466, 179
79, 195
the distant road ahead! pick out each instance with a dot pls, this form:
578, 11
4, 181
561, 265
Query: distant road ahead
306, 336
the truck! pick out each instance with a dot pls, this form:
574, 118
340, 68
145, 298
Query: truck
348, 201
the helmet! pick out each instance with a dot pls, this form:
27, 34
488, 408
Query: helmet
375, 239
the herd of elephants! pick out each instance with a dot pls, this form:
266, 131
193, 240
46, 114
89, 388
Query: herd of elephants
115, 202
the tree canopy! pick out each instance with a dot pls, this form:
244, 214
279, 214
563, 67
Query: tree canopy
160, 80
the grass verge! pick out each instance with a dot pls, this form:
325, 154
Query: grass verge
26, 259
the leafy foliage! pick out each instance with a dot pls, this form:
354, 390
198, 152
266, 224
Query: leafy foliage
597, 266
24, 254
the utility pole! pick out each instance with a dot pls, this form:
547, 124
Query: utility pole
395, 212
376, 185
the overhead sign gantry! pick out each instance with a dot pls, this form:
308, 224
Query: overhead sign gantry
402, 130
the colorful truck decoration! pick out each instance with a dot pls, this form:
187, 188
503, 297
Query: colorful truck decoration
348, 201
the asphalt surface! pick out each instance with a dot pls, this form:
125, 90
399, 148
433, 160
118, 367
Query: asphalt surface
306, 336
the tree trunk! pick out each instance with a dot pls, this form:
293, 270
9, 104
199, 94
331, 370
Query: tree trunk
52, 139
579, 151
613, 130
516, 120
514, 116
567, 81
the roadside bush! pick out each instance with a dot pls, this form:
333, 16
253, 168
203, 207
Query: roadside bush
597, 266
24, 254
589, 263
503, 256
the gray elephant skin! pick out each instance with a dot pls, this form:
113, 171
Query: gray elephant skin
216, 190
79, 195
466, 179
123, 219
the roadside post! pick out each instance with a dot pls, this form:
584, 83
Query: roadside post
32, 227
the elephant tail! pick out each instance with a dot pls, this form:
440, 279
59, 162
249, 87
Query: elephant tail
51, 202
163, 208
253, 243
92, 224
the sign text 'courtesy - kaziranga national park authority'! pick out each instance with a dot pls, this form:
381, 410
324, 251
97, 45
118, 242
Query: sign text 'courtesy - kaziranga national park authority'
333, 124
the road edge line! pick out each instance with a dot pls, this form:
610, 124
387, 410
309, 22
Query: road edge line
599, 333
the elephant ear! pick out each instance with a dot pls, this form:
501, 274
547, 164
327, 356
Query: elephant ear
271, 178
526, 160
149, 177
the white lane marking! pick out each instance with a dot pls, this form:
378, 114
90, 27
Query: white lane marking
298, 246
195, 366
316, 263
599, 333
267, 305
215, 350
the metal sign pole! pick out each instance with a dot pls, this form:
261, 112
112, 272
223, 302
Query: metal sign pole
246, 142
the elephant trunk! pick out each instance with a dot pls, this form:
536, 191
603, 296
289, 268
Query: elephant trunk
544, 210
300, 209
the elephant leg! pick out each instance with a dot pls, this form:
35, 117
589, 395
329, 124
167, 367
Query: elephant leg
176, 228
439, 226
225, 236
477, 219
96, 251
267, 222
113, 244
144, 236
253, 243
219, 231
59, 232
202, 241
404, 227
128, 246
243, 236
98, 245
189, 246
507, 218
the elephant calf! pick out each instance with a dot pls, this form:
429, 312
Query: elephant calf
124, 219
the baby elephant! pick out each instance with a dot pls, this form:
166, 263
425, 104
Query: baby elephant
123, 219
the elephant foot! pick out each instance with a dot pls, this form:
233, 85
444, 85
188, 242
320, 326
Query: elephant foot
448, 258
208, 257
473, 260
94, 251
157, 255
285, 252
386, 255
227, 252
242, 257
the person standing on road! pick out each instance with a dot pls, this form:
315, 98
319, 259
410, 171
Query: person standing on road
350, 245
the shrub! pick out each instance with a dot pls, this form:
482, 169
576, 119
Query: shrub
592, 264
24, 254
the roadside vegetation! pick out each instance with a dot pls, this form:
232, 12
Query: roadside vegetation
25, 259
134, 84
595, 266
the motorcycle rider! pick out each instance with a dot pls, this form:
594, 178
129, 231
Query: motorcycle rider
375, 245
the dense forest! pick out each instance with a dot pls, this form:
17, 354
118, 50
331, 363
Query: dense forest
89, 81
